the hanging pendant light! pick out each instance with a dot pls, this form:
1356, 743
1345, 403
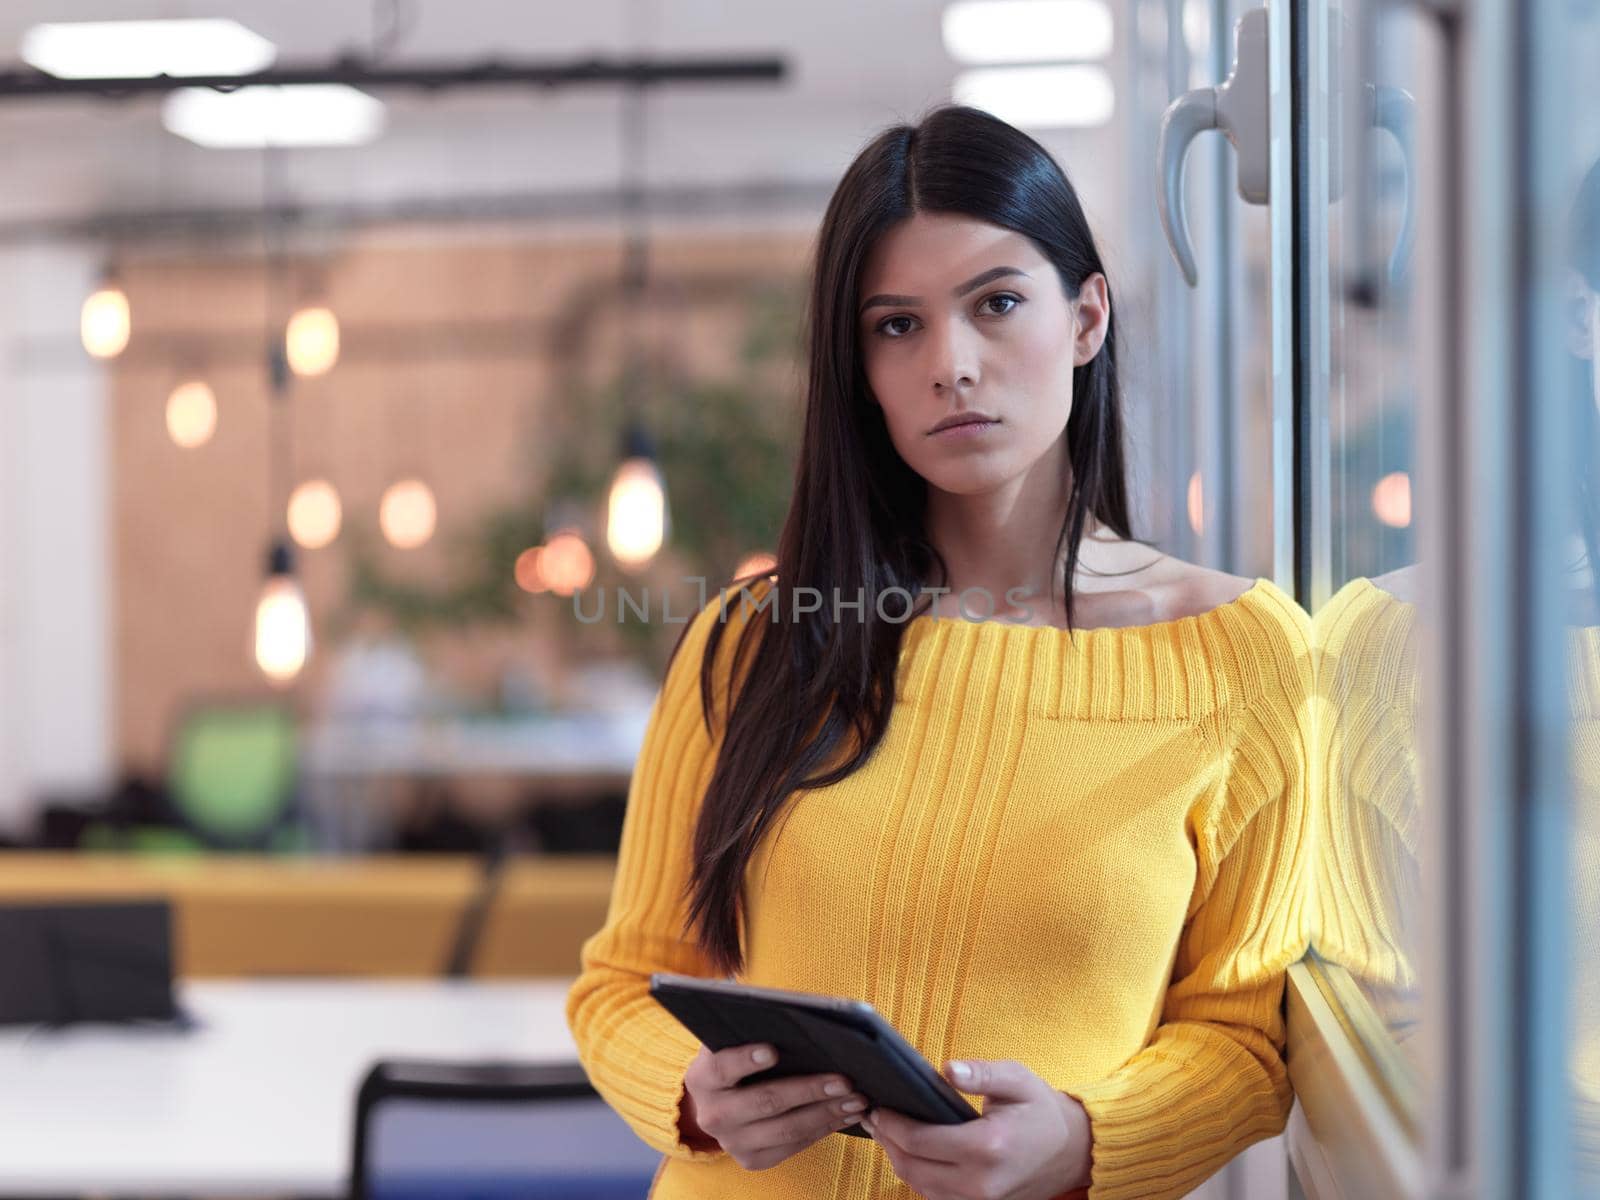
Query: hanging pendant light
637, 521
283, 625
315, 514
191, 414
106, 320
408, 514
283, 621
311, 341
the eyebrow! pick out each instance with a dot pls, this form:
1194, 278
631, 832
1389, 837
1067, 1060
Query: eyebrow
885, 300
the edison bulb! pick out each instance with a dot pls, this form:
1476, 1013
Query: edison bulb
312, 341
105, 322
637, 513
191, 414
283, 629
315, 514
407, 514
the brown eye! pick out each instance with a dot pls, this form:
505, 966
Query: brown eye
888, 327
1010, 301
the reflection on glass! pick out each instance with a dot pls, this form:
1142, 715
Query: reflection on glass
1366, 641
1584, 680
1370, 686
1370, 689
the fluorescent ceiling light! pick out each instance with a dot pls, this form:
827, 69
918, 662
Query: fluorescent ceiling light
309, 114
129, 49
1040, 97
1025, 31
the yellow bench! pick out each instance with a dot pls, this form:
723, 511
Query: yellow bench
376, 916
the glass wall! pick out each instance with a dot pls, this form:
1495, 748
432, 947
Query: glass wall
1569, 349
1371, 326
1447, 203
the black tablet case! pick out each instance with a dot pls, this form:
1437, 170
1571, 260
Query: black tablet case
62, 963
816, 1042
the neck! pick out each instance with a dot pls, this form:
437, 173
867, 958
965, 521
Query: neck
1006, 538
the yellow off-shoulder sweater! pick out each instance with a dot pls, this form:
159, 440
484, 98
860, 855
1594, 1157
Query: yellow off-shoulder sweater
1083, 852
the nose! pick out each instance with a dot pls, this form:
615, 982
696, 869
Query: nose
952, 357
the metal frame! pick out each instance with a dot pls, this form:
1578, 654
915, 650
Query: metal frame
1286, 553
1214, 308
1499, 812
1445, 955
1539, 799
1175, 302
1348, 1136
26, 83
1498, 1028
1309, 87
1223, 449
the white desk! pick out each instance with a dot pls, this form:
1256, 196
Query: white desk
260, 1100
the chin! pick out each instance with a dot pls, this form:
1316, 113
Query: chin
973, 480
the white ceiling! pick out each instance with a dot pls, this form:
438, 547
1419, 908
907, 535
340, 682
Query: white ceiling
855, 65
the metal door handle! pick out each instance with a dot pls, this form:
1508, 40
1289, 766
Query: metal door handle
1239, 109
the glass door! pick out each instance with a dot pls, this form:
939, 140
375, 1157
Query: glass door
1203, 432
1369, 325
1444, 407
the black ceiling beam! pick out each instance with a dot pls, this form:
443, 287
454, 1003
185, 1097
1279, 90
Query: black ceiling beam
27, 83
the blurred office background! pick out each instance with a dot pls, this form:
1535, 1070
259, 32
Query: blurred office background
486, 291
319, 405
382, 355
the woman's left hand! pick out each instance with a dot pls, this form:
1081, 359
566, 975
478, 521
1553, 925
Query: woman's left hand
1031, 1143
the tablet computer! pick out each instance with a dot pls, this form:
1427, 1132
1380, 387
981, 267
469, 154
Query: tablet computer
815, 1035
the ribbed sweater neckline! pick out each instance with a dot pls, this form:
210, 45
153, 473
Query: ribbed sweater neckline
1179, 669
1154, 628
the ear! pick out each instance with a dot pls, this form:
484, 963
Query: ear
1092, 320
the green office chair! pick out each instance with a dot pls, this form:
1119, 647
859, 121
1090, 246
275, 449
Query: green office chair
232, 776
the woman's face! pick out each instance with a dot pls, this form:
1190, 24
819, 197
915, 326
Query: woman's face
960, 317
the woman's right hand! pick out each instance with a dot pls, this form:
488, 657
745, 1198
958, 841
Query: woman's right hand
761, 1125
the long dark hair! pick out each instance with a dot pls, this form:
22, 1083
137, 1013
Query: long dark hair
817, 696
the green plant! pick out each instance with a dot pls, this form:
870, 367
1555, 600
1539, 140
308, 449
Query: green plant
725, 448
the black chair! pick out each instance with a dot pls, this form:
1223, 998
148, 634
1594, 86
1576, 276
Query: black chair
492, 1131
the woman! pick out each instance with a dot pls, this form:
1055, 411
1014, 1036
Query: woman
1053, 835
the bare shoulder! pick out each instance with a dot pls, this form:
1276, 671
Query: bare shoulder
1187, 590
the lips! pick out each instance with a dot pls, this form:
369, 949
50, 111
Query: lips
959, 419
